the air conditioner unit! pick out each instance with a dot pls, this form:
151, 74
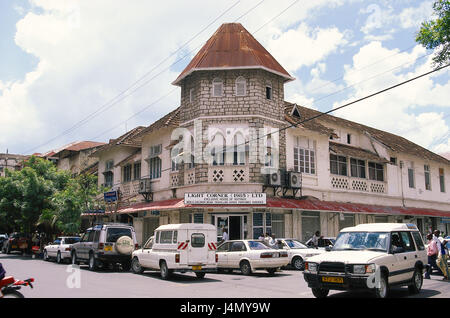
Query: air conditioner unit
294, 180
273, 178
144, 186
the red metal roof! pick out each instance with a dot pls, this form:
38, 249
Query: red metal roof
232, 46
307, 205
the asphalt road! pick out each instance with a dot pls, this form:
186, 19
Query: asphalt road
59, 281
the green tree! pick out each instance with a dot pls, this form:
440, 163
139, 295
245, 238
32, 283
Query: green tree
435, 34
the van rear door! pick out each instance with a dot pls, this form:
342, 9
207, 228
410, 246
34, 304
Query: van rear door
198, 249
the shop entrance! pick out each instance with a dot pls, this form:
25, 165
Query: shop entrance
234, 225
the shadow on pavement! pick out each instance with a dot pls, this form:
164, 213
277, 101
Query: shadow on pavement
393, 293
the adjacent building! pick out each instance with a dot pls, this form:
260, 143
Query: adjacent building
11, 162
237, 155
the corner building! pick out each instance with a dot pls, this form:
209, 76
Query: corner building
232, 97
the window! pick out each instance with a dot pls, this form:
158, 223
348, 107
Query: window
241, 86
114, 233
393, 160
305, 156
441, 179
109, 179
155, 150
217, 87
176, 159
376, 171
239, 150
149, 243
268, 159
127, 173
196, 218
155, 168
197, 240
262, 223
166, 237
338, 165
175, 237
348, 220
426, 169
407, 242
191, 95
349, 139
278, 224
357, 168
224, 247
137, 171
238, 247
218, 150
268, 91
109, 165
191, 164
411, 181
419, 241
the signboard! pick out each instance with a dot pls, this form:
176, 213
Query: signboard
225, 198
445, 220
155, 212
110, 196
95, 211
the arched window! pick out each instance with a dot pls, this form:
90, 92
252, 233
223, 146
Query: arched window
239, 149
241, 86
218, 150
217, 89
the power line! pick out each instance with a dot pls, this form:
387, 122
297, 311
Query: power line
108, 104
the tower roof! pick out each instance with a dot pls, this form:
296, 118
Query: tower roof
233, 47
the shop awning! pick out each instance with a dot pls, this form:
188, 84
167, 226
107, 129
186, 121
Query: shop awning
294, 204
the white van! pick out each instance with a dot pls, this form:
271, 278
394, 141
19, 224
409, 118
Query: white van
178, 248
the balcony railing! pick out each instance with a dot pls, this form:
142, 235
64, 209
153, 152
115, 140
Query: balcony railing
129, 188
356, 184
228, 174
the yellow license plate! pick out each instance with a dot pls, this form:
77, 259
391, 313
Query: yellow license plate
337, 280
13, 246
196, 268
108, 248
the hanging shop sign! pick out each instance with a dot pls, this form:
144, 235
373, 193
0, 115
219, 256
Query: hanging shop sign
110, 196
225, 198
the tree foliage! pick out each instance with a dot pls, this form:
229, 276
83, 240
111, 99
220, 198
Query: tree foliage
435, 34
41, 195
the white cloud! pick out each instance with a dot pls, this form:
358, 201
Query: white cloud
403, 110
307, 45
413, 17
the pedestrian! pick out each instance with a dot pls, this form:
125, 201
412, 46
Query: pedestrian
442, 254
315, 239
272, 240
432, 253
267, 238
261, 237
224, 235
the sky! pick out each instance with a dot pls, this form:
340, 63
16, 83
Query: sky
74, 70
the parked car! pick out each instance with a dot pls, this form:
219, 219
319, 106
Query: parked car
16, 242
323, 242
60, 249
3, 238
371, 257
297, 251
188, 247
250, 255
104, 245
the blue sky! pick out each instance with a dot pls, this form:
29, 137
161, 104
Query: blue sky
62, 61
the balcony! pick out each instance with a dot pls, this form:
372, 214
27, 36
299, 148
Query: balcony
357, 184
228, 174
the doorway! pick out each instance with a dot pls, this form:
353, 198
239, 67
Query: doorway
234, 225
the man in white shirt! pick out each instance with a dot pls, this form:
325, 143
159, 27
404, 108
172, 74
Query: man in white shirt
442, 254
224, 235
315, 239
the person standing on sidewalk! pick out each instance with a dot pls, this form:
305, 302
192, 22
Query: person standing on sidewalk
442, 254
432, 253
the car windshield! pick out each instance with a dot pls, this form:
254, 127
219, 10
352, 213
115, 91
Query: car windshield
295, 244
71, 240
255, 245
377, 241
115, 232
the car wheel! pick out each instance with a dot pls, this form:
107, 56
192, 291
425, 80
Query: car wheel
320, 292
45, 255
297, 263
245, 268
417, 282
75, 259
383, 290
165, 272
58, 258
136, 266
92, 262
200, 275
